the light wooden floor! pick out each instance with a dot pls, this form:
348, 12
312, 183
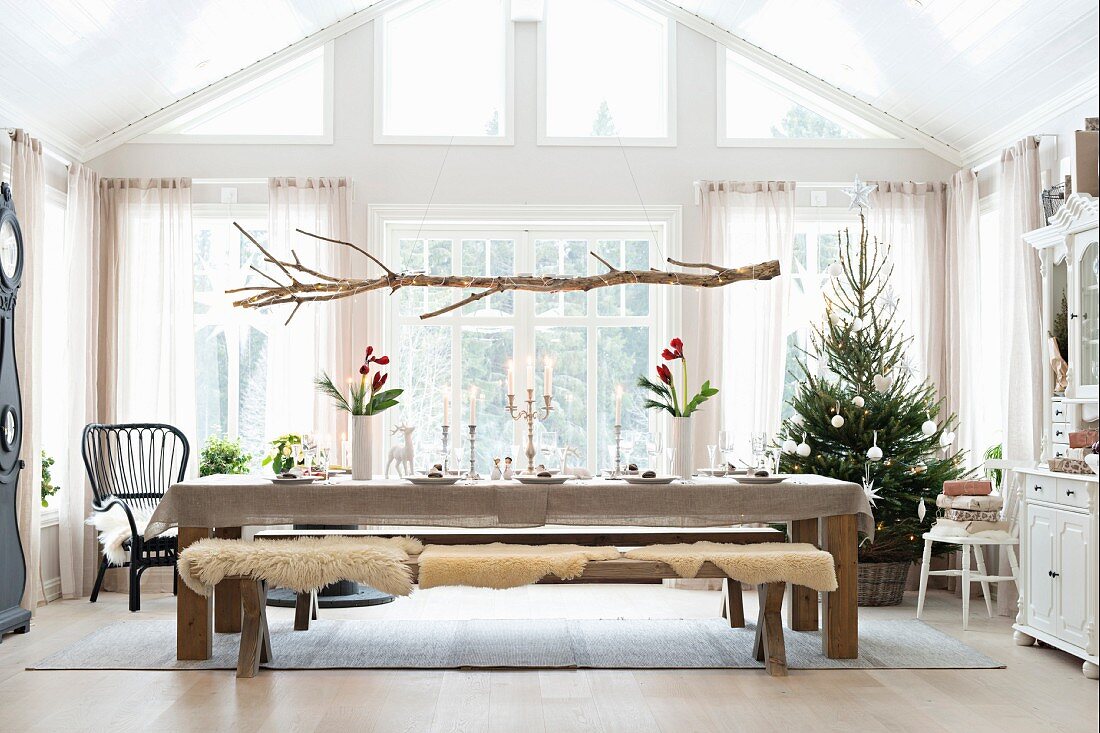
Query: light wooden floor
1042, 689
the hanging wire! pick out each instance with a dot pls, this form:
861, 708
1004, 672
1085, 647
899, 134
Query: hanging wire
638, 192
435, 185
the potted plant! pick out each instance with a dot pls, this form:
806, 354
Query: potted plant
364, 400
665, 396
281, 457
222, 455
48, 489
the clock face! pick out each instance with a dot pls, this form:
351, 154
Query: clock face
9, 249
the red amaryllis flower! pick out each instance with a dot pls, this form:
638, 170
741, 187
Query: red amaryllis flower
365, 369
370, 350
667, 355
678, 345
664, 373
383, 360
379, 380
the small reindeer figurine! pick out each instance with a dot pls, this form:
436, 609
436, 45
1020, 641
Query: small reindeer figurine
401, 454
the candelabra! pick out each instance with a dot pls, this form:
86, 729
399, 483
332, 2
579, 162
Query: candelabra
472, 475
530, 415
618, 451
446, 449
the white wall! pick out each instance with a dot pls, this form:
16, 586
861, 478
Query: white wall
524, 173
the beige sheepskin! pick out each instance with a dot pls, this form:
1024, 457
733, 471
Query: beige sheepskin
505, 566
302, 564
766, 562
114, 532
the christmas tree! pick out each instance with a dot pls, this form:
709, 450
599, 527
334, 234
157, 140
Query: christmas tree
860, 414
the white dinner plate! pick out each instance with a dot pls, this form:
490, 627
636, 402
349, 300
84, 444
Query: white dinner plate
774, 479
427, 481
559, 479
712, 472
652, 480
299, 481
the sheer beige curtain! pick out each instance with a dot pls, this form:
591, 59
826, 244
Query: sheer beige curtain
28, 191
1018, 190
320, 335
742, 330
148, 254
79, 273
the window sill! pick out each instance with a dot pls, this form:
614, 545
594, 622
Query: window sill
49, 517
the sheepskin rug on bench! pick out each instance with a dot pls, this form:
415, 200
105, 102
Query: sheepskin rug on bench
766, 562
302, 564
498, 565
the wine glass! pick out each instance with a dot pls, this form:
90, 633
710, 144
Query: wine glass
627, 443
726, 445
322, 462
712, 455
309, 450
653, 448
759, 444
548, 444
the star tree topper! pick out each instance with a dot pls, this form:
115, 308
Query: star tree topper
859, 193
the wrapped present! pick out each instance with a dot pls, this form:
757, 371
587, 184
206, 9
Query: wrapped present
968, 488
990, 503
1083, 438
971, 515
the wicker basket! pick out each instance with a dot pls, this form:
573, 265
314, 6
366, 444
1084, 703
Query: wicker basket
882, 583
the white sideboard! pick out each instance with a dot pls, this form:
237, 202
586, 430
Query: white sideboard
1059, 578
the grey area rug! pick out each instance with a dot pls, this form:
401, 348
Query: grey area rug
520, 644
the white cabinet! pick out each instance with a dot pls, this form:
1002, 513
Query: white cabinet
1084, 321
1059, 564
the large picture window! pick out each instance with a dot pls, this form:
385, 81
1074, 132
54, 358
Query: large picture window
595, 341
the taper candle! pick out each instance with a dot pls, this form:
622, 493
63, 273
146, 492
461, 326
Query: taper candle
473, 405
547, 377
446, 405
511, 377
618, 404
530, 373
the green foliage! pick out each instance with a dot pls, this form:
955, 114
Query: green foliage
222, 455
492, 127
48, 489
604, 124
1059, 327
364, 401
800, 123
994, 453
281, 457
914, 466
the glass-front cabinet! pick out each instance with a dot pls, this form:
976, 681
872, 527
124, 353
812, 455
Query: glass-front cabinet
1084, 316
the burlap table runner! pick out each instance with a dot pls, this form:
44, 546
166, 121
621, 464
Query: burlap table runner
237, 501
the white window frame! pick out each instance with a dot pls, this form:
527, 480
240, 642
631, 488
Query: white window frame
388, 224
382, 138
668, 140
878, 138
325, 138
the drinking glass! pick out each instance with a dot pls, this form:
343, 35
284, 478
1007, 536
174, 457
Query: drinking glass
548, 444
670, 456
759, 445
627, 442
726, 445
712, 456
653, 448
322, 462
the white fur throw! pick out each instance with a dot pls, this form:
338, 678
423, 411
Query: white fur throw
302, 564
114, 531
498, 565
765, 562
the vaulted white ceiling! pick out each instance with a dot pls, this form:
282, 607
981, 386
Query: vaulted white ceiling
966, 73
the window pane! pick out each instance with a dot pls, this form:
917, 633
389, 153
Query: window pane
485, 355
253, 391
561, 257
606, 70
489, 257
828, 250
625, 300
444, 69
431, 256
567, 347
623, 356
211, 386
423, 370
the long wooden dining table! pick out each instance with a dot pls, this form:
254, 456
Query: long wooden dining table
816, 509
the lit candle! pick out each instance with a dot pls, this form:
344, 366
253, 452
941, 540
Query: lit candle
547, 377
446, 405
473, 405
511, 377
531, 373
618, 404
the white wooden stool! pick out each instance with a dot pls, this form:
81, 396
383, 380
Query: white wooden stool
975, 545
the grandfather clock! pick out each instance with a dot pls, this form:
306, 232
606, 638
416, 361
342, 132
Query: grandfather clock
13, 573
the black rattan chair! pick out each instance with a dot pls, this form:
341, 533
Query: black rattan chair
130, 467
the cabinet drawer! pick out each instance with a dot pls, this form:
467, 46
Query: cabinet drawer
1041, 488
1058, 450
1059, 433
1073, 493
1058, 411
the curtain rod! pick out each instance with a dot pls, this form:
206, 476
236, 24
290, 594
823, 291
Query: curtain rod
996, 158
45, 150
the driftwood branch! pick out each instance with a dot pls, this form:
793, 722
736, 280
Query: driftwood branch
329, 287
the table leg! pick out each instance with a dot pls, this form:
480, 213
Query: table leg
227, 596
194, 632
802, 612
840, 623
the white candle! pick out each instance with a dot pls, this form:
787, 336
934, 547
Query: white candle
511, 377
446, 405
530, 373
547, 378
618, 404
473, 405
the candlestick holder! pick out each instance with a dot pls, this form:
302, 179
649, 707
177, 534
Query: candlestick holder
472, 474
446, 449
530, 415
618, 451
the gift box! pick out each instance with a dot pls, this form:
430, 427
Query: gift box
990, 503
1083, 438
968, 488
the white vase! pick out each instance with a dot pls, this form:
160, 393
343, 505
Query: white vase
362, 445
680, 441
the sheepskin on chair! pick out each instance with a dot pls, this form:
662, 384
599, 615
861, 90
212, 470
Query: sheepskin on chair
114, 532
498, 565
302, 564
766, 562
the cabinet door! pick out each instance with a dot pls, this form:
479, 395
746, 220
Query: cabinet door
1041, 528
1084, 320
1072, 584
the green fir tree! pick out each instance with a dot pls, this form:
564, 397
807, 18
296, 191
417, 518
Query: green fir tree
604, 124
913, 465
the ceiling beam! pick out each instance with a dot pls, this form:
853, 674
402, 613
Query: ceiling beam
181, 106
806, 80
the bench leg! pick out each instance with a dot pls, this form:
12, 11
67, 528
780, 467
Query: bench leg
733, 606
304, 610
265, 630
255, 640
768, 646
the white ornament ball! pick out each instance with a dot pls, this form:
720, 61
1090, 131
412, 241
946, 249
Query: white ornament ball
789, 446
835, 318
835, 270
837, 421
874, 453
803, 449
857, 324
929, 427
858, 401
797, 420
